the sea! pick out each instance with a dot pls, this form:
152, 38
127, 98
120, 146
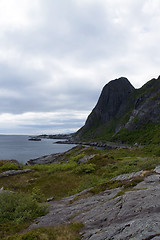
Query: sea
18, 147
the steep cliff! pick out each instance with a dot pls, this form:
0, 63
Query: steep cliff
122, 109
146, 106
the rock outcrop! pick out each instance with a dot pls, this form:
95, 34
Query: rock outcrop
14, 172
52, 158
135, 214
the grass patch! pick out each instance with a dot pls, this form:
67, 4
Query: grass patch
7, 165
148, 133
69, 177
127, 185
79, 156
106, 185
85, 168
63, 232
62, 180
51, 168
17, 209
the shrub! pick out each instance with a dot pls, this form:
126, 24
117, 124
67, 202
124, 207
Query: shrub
8, 166
85, 168
51, 168
79, 156
19, 208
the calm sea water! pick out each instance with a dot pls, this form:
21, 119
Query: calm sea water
19, 148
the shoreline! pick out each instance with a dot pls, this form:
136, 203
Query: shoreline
107, 145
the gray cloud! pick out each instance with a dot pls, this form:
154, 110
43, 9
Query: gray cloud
57, 55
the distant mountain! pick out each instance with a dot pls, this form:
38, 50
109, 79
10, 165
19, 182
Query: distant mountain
125, 114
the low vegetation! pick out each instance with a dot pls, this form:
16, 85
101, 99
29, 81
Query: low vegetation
65, 232
23, 200
147, 134
17, 210
8, 165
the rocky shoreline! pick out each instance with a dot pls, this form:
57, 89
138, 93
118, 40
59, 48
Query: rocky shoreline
59, 157
107, 145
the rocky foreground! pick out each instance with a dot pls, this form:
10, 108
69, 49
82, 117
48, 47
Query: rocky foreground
112, 214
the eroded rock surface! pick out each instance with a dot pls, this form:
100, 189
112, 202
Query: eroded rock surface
52, 158
133, 215
14, 172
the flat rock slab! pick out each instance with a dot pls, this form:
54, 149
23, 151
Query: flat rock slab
128, 176
52, 158
157, 169
14, 172
134, 215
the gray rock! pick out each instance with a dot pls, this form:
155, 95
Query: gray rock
1, 190
157, 169
52, 158
50, 199
127, 176
152, 181
14, 172
85, 159
134, 215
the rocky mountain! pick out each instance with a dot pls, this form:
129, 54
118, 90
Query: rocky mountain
121, 109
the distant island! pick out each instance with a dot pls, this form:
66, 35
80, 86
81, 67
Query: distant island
52, 136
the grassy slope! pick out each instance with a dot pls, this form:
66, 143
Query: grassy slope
67, 178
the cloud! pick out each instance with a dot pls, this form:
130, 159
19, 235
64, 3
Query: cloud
56, 56
36, 123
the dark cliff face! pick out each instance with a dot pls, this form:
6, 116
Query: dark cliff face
112, 104
128, 108
113, 100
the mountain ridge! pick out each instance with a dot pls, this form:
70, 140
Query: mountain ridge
122, 108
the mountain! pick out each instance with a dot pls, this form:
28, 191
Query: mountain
125, 114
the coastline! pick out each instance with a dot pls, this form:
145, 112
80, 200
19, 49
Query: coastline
106, 145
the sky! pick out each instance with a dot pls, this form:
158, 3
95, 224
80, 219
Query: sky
57, 55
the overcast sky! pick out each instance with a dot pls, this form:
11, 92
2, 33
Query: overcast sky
56, 56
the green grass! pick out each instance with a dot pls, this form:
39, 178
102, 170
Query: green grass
149, 133
17, 209
7, 165
61, 180
70, 177
63, 232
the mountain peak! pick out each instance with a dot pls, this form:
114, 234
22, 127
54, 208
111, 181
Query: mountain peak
121, 109
112, 103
